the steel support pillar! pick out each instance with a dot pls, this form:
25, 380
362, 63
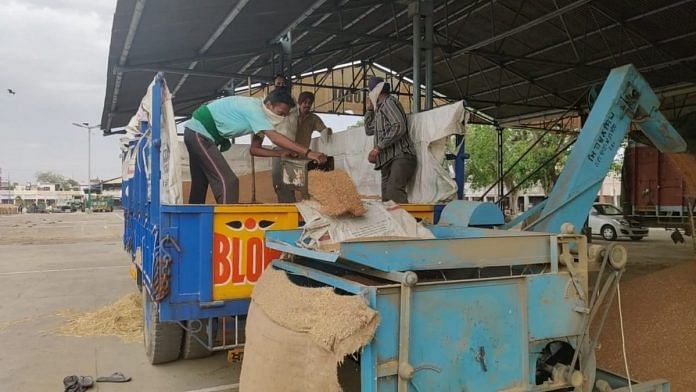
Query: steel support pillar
414, 11
459, 168
286, 54
427, 11
501, 185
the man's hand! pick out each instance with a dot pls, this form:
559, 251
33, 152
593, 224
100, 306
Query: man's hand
372, 156
369, 104
287, 154
317, 156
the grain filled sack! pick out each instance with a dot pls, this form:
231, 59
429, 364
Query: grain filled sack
297, 336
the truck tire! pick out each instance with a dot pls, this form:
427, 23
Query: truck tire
191, 347
162, 340
608, 233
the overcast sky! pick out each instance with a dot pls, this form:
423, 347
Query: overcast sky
53, 54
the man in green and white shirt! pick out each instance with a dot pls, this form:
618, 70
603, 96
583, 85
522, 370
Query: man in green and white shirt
214, 123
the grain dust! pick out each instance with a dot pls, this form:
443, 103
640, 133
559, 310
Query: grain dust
123, 319
336, 193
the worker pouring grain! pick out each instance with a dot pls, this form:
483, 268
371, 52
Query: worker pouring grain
207, 135
393, 153
307, 122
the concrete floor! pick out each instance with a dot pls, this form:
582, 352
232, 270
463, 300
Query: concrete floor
54, 262
653, 253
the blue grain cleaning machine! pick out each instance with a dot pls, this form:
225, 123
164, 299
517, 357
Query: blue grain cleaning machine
481, 307
485, 308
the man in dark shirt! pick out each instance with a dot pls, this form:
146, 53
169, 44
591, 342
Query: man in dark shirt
307, 121
393, 153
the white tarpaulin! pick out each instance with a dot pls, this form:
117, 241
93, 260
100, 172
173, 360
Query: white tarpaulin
170, 151
429, 130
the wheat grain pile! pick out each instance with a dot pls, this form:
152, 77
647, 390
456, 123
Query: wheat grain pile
336, 193
123, 318
659, 314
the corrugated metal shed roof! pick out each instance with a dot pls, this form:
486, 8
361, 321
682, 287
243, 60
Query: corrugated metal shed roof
512, 59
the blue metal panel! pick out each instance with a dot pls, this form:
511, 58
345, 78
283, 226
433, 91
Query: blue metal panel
471, 213
385, 345
455, 247
551, 301
191, 278
415, 255
368, 362
451, 324
454, 232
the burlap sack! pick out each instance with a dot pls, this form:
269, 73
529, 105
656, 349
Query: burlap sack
297, 336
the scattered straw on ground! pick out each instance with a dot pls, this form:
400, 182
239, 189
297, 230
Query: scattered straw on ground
123, 318
336, 193
4, 326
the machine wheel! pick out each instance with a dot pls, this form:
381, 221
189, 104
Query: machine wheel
191, 347
636, 237
608, 233
162, 340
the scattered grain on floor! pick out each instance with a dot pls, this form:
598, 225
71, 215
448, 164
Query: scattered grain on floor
336, 193
123, 318
659, 312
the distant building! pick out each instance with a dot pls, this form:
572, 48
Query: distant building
112, 188
610, 193
41, 193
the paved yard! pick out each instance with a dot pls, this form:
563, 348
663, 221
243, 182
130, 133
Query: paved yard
50, 263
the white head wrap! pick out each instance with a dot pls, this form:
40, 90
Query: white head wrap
375, 92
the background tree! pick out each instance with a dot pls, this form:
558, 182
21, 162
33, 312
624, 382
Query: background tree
50, 177
482, 169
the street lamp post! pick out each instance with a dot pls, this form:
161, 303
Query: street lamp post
88, 207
